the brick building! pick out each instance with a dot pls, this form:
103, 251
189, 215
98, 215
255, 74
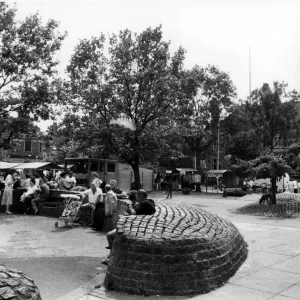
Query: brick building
24, 148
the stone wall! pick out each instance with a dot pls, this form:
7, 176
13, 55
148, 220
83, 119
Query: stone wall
180, 250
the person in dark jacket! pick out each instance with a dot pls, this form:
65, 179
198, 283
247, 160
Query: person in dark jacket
169, 189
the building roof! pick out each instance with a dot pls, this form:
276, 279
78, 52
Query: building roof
184, 170
7, 165
67, 166
38, 165
216, 173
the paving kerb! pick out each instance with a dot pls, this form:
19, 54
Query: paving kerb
264, 258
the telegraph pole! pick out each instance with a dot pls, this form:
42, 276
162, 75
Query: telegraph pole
249, 75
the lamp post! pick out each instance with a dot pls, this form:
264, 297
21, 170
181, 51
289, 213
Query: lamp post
218, 154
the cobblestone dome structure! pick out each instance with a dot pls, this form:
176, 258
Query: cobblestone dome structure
287, 206
180, 250
14, 285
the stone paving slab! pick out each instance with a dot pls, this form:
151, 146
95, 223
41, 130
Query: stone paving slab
293, 291
290, 265
259, 260
234, 292
269, 280
280, 297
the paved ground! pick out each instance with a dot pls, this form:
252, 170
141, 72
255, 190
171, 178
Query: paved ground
64, 262
59, 260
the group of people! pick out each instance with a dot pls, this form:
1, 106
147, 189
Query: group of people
94, 195
36, 191
140, 205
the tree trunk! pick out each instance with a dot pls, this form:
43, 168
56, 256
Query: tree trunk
136, 165
137, 179
273, 181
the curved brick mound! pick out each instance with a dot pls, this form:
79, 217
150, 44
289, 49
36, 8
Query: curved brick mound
285, 207
14, 285
180, 250
284, 198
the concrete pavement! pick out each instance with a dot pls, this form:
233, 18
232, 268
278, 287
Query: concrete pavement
65, 263
58, 259
272, 269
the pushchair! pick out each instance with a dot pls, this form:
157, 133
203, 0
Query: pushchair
72, 206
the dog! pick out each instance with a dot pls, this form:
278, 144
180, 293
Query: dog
266, 199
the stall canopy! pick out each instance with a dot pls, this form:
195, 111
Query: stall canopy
184, 170
38, 165
68, 166
216, 173
7, 165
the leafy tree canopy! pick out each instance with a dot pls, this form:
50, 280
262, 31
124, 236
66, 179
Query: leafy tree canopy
265, 166
131, 96
211, 101
273, 120
27, 64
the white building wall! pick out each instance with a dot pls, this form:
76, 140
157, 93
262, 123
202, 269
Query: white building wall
126, 177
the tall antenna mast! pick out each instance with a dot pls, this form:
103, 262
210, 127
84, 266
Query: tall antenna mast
249, 76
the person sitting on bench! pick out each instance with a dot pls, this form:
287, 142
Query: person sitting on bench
29, 195
42, 197
93, 195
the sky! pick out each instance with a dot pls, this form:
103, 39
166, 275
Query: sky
212, 32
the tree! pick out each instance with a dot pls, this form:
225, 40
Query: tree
129, 98
265, 166
211, 92
292, 156
243, 145
273, 120
27, 68
243, 142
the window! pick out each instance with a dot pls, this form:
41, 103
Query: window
94, 165
111, 167
101, 166
27, 145
79, 166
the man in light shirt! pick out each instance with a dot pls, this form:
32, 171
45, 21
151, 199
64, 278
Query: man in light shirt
93, 195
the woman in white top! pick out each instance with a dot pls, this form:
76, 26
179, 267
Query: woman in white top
96, 180
7, 198
27, 182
